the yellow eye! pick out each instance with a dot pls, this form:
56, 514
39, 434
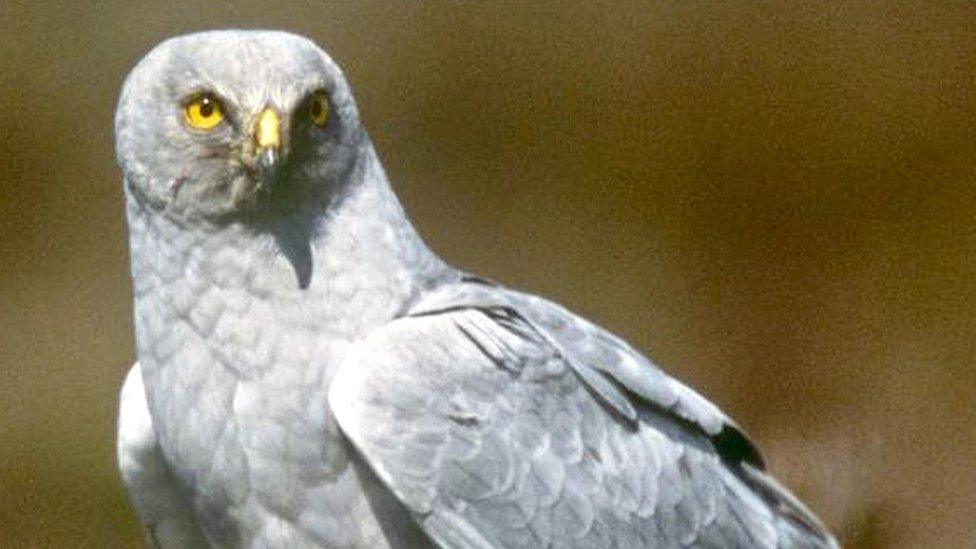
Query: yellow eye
318, 110
204, 112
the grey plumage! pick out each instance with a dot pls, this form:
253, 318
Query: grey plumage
310, 374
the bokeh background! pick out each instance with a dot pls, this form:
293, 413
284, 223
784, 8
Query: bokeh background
776, 201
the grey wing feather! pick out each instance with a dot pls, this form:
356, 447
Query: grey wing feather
162, 508
592, 347
498, 426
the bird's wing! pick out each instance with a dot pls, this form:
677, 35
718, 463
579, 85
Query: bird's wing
502, 420
162, 508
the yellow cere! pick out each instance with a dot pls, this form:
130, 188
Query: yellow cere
268, 131
204, 112
319, 109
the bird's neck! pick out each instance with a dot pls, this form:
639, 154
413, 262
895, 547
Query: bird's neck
246, 298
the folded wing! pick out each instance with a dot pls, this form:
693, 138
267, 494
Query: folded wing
502, 420
163, 509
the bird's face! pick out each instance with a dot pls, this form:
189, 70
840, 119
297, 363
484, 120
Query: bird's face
227, 123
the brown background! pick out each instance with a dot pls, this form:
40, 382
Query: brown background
775, 201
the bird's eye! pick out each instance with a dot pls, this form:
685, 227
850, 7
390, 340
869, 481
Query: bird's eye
318, 109
205, 112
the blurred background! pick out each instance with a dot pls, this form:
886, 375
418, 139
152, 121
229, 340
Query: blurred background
776, 202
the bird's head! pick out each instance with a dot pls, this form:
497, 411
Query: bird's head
221, 124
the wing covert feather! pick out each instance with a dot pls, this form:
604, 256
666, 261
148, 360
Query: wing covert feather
162, 507
481, 423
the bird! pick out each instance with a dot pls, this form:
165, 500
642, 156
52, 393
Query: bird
310, 374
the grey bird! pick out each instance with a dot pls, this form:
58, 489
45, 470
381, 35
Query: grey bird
310, 374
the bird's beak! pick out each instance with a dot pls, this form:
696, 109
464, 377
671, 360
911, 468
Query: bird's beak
267, 138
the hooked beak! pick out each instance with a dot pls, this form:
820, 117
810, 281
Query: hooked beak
267, 161
267, 138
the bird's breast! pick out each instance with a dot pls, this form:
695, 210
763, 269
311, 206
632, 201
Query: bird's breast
261, 457
237, 355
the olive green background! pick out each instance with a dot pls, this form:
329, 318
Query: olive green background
775, 200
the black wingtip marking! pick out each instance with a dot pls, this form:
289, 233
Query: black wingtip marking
744, 459
733, 446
